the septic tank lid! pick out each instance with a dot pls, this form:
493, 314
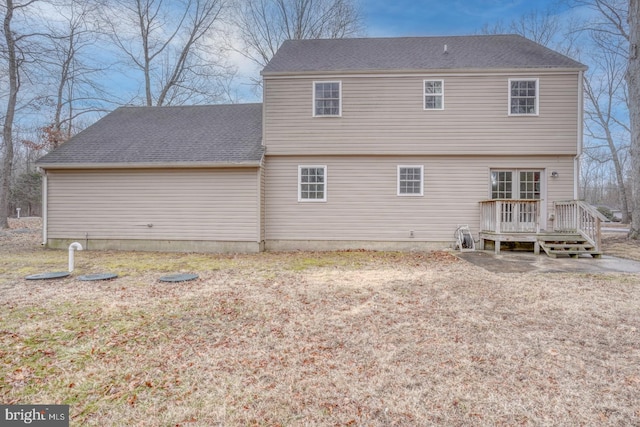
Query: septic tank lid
182, 277
98, 276
51, 275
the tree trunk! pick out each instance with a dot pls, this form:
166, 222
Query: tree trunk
633, 82
7, 129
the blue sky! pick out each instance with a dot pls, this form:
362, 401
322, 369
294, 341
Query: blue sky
389, 18
400, 18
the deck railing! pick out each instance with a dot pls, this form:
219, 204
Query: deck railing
574, 216
510, 216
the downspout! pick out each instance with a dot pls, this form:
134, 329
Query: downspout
45, 204
260, 184
263, 170
576, 160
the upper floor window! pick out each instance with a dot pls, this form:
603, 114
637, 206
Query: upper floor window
523, 97
410, 180
312, 183
327, 99
433, 94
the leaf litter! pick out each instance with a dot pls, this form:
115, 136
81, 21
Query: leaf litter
338, 338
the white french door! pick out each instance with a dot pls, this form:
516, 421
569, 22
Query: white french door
519, 185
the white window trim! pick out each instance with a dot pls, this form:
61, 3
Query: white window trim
300, 199
421, 181
524, 79
313, 105
424, 95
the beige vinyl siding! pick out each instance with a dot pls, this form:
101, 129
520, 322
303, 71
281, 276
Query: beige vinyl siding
181, 204
386, 115
362, 201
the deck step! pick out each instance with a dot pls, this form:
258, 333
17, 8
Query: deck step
574, 254
569, 246
573, 247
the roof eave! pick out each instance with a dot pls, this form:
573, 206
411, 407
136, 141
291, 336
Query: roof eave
151, 165
308, 73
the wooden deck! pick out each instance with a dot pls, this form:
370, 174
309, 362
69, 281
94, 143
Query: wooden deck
576, 227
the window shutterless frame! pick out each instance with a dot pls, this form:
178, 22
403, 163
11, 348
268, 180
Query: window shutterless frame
524, 96
433, 94
312, 183
327, 99
410, 180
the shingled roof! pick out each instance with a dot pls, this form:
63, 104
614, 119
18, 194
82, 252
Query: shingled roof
182, 135
490, 52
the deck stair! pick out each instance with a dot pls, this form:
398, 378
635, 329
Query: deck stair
572, 245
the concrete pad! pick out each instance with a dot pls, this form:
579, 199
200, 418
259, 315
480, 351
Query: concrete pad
525, 262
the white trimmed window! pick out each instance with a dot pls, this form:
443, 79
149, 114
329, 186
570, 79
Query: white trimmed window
410, 180
327, 99
434, 94
523, 97
312, 183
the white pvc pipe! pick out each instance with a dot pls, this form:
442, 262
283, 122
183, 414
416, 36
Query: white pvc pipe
72, 248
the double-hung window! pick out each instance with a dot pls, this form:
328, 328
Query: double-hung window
523, 97
312, 183
327, 99
434, 94
410, 180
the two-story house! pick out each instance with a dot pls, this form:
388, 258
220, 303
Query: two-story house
387, 143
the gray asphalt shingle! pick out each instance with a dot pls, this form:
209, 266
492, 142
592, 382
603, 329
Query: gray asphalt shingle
207, 133
415, 53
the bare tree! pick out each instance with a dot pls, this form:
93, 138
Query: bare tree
540, 27
604, 89
74, 76
169, 41
264, 24
621, 19
15, 53
633, 83
543, 27
597, 179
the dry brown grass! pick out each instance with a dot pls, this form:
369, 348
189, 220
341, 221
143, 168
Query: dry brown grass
617, 244
301, 339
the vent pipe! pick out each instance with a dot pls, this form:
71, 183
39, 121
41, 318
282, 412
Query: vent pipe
446, 49
72, 249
